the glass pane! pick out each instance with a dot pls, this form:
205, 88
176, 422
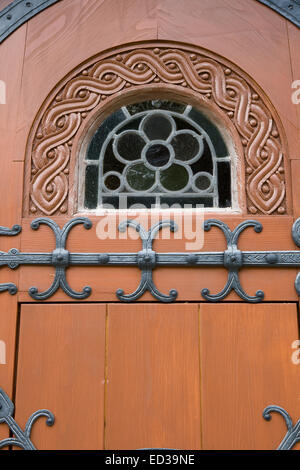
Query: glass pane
140, 178
212, 130
185, 146
101, 134
202, 182
174, 178
158, 155
130, 146
152, 147
112, 182
188, 201
157, 127
147, 202
224, 184
91, 186
156, 104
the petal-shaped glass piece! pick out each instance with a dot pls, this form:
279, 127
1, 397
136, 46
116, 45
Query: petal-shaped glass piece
186, 146
139, 177
157, 126
129, 145
174, 178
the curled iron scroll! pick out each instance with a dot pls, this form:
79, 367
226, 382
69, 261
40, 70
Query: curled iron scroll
232, 261
60, 259
22, 438
147, 262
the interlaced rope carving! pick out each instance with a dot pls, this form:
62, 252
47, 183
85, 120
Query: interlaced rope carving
227, 88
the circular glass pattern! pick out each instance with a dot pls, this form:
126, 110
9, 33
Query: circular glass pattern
161, 151
157, 155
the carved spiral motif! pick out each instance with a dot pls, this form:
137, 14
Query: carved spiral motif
231, 92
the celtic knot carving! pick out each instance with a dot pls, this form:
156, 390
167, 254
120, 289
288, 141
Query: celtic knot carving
228, 89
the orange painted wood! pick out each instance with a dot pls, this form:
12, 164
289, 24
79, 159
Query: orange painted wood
246, 365
245, 32
188, 281
72, 28
294, 38
153, 377
61, 367
295, 166
11, 180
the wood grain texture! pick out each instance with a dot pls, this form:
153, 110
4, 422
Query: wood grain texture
11, 181
246, 365
72, 28
61, 368
295, 167
245, 32
294, 38
153, 377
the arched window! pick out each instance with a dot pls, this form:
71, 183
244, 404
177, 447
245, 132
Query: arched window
156, 153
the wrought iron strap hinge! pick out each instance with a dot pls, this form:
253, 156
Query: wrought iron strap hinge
147, 259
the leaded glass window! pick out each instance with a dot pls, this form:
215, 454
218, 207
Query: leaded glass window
156, 154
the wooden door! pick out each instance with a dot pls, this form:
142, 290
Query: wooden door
186, 375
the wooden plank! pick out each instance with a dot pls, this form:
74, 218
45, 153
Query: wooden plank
61, 368
188, 281
294, 38
246, 365
249, 34
153, 377
11, 179
295, 167
72, 28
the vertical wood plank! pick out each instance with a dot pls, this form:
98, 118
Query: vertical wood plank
153, 377
294, 38
61, 368
246, 365
11, 181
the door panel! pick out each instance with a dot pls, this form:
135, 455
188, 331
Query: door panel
153, 377
61, 368
246, 365
181, 376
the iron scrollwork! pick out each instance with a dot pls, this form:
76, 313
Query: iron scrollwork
233, 261
60, 259
293, 431
15, 230
147, 259
22, 438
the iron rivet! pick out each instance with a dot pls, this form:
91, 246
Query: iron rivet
271, 258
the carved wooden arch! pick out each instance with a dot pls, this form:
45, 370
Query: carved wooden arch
215, 79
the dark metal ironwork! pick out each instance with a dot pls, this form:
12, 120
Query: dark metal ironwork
15, 230
18, 12
60, 259
147, 259
290, 9
22, 438
233, 261
293, 431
